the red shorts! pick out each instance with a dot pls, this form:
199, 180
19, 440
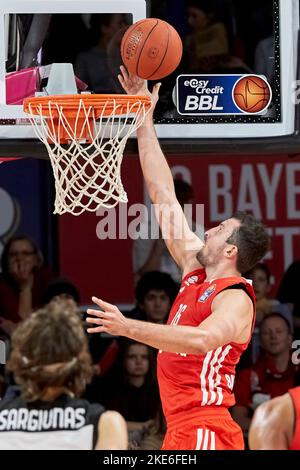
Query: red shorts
215, 432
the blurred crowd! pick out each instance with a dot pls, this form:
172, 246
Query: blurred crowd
216, 40
217, 35
124, 375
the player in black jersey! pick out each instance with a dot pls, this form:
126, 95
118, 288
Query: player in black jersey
51, 363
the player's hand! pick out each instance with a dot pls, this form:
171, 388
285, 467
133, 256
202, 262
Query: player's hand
108, 320
134, 85
22, 272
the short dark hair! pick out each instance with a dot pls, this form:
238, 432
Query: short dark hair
155, 280
277, 315
251, 239
207, 6
61, 286
261, 267
97, 22
50, 350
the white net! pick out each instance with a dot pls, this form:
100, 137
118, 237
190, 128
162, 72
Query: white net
87, 169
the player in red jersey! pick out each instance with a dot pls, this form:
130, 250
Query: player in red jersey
211, 321
276, 423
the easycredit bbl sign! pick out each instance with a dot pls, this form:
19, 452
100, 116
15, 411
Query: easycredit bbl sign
201, 95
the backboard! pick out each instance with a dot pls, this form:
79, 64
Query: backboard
259, 37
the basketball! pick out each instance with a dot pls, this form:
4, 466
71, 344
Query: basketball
252, 94
151, 49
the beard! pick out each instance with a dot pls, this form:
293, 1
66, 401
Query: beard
208, 256
202, 257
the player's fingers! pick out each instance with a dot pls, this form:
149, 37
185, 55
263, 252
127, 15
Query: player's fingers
96, 313
155, 90
100, 316
98, 329
124, 72
121, 80
104, 305
96, 321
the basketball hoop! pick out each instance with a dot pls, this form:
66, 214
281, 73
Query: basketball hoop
85, 136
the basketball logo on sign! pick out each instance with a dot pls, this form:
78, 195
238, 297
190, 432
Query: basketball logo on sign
252, 94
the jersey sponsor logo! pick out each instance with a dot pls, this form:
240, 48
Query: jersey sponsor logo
192, 280
209, 291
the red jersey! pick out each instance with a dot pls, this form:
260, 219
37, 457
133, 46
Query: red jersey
262, 381
190, 384
295, 396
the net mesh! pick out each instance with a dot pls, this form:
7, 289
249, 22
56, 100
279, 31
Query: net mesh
87, 169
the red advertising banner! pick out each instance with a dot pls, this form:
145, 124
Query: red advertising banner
267, 186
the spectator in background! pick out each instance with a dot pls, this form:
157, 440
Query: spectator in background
264, 60
154, 435
51, 364
98, 67
155, 293
135, 393
261, 278
61, 288
208, 44
289, 293
23, 282
152, 255
272, 375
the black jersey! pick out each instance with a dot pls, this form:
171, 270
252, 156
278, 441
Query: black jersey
66, 423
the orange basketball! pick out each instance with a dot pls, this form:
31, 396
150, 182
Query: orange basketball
151, 49
252, 94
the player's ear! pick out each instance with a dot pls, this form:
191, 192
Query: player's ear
231, 250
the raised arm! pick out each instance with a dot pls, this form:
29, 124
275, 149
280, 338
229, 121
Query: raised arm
182, 243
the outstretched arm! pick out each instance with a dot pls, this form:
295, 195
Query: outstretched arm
230, 321
182, 243
272, 425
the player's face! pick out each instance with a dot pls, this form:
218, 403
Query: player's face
261, 284
156, 306
215, 242
137, 360
275, 337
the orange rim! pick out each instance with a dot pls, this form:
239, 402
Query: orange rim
102, 104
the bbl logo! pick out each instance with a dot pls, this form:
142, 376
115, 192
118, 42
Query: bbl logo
222, 94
